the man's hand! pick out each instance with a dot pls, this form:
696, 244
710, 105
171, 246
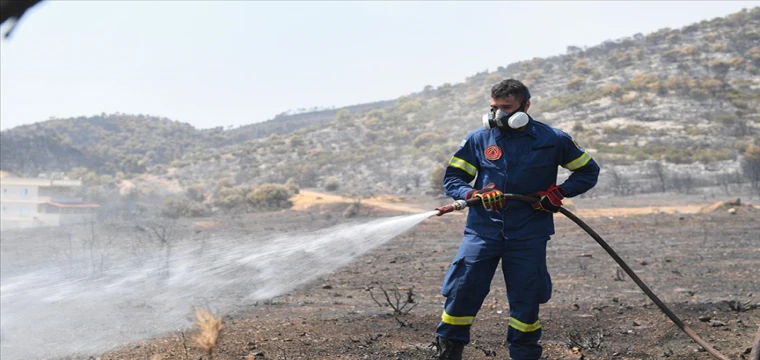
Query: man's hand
491, 198
551, 199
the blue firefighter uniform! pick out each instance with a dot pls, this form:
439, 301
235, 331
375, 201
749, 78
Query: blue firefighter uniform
518, 162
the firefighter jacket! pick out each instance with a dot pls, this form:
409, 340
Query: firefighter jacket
518, 162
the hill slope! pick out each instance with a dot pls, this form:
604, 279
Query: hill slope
683, 96
686, 96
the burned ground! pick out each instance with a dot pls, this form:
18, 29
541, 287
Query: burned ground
702, 265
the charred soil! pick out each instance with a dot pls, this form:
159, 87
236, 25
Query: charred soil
702, 265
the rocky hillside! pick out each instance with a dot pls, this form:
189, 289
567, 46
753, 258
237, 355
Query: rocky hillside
684, 99
107, 144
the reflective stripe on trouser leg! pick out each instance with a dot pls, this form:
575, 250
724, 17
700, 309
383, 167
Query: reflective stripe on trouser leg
466, 285
456, 320
523, 327
528, 286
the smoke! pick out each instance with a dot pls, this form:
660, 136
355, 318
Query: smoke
91, 299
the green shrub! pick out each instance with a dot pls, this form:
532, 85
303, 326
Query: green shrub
269, 197
436, 179
575, 84
196, 192
427, 139
292, 186
582, 66
613, 90
645, 82
568, 100
342, 115
577, 127
332, 183
230, 197
177, 207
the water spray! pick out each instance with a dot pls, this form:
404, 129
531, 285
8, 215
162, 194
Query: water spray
51, 312
462, 204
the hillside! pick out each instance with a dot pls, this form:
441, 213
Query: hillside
107, 144
686, 98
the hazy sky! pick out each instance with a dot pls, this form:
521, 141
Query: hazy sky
232, 63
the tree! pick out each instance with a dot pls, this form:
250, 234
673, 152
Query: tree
683, 183
658, 172
196, 192
751, 166
620, 184
332, 183
436, 179
343, 115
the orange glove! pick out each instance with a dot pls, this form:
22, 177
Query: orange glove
490, 197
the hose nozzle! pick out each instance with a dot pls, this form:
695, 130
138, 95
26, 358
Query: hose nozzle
456, 205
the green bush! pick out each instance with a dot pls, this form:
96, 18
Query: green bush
406, 105
292, 186
620, 58
230, 198
575, 84
630, 130
578, 127
613, 90
269, 197
436, 179
582, 66
568, 100
427, 139
332, 183
713, 155
196, 192
177, 207
645, 82
342, 115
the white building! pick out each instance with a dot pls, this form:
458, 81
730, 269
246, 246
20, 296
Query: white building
28, 202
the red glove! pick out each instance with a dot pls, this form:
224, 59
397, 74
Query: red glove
490, 197
551, 199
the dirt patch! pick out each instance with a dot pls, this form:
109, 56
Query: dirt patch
205, 224
643, 210
730, 207
307, 199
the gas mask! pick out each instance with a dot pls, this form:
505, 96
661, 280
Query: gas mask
497, 118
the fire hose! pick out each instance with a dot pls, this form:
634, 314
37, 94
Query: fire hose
461, 204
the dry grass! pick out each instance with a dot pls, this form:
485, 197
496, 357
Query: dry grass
209, 327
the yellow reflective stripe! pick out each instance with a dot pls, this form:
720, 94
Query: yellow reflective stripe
464, 165
457, 320
523, 327
579, 162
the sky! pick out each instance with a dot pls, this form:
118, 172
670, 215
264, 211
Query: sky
232, 63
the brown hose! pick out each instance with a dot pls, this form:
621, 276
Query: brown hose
627, 270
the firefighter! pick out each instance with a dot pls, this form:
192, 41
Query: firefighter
511, 153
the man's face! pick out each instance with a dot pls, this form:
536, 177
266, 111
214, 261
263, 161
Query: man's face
508, 104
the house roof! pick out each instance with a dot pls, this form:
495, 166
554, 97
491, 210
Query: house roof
73, 205
23, 201
38, 182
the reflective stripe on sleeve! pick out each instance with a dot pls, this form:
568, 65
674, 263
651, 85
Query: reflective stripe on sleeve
579, 162
463, 165
523, 327
457, 320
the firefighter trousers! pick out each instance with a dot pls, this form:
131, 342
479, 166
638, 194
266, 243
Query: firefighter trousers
468, 281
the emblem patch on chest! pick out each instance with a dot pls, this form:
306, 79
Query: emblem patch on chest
493, 152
